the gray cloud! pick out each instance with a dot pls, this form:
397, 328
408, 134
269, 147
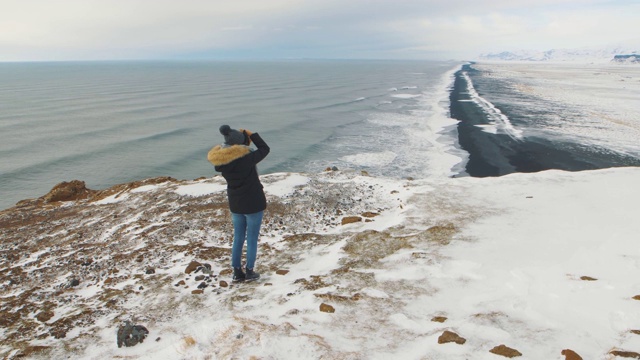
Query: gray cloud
102, 29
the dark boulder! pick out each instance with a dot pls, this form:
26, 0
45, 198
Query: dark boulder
130, 335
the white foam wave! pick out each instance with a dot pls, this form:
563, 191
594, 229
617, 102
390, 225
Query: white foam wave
488, 128
445, 156
373, 159
424, 140
405, 96
499, 120
391, 119
409, 87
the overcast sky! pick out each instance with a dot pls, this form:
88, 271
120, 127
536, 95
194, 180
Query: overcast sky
260, 29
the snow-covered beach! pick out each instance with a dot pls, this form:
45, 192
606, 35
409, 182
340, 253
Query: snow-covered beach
528, 117
533, 264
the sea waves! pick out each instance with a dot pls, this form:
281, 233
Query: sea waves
109, 123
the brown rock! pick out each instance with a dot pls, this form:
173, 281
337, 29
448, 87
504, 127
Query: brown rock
448, 336
44, 316
637, 332
439, 319
180, 283
223, 283
570, 355
282, 272
637, 297
192, 267
108, 280
351, 219
369, 214
625, 354
30, 350
505, 351
587, 278
68, 191
58, 333
442, 229
327, 308
196, 292
226, 272
200, 277
8, 319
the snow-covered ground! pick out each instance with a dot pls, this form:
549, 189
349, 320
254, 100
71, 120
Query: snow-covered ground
536, 263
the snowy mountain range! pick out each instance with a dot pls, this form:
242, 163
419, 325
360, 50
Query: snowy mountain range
581, 55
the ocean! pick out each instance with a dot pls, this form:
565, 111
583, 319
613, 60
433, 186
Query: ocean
113, 122
108, 123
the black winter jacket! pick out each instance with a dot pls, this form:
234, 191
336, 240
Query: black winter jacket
237, 163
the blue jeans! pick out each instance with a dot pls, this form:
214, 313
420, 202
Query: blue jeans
245, 226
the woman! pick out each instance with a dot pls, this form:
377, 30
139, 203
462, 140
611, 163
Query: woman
247, 202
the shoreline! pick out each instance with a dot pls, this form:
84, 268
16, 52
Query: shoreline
497, 154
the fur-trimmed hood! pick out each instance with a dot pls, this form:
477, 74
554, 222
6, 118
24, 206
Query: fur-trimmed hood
220, 155
237, 163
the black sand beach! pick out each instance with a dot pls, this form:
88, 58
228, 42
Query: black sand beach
500, 154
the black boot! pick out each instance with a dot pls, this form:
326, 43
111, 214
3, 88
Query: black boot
238, 275
252, 275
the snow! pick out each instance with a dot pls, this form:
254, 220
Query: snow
284, 184
201, 188
144, 188
549, 230
585, 55
510, 276
115, 198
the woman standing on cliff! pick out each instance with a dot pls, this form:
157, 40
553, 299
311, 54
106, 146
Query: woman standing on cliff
247, 202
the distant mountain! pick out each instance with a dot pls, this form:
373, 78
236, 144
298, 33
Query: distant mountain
627, 59
626, 53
